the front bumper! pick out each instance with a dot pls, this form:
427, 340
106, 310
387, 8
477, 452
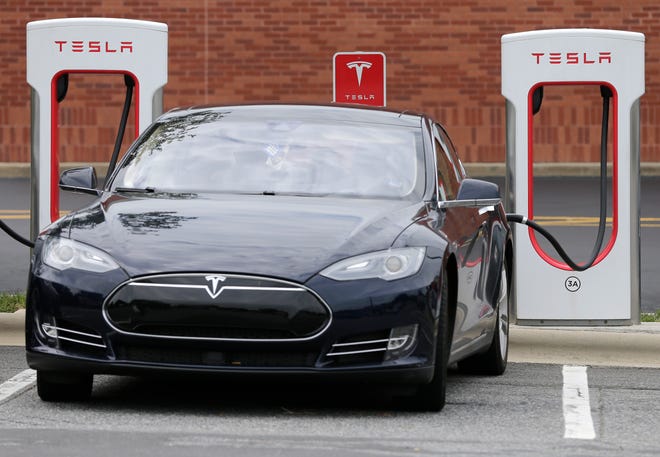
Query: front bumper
385, 375
361, 311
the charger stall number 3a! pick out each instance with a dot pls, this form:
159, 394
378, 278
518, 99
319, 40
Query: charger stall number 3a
572, 284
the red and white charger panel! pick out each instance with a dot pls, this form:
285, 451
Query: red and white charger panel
546, 291
86, 45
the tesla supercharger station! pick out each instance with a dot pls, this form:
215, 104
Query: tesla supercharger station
546, 290
85, 45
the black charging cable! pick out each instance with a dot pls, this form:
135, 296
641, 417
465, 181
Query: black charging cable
128, 81
15, 235
606, 93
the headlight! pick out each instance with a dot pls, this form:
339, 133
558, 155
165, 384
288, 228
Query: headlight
388, 265
62, 253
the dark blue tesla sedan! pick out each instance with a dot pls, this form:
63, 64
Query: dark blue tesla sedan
303, 240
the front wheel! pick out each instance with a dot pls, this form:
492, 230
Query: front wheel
62, 386
431, 396
493, 361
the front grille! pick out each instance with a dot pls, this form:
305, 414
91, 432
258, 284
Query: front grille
213, 306
193, 357
212, 332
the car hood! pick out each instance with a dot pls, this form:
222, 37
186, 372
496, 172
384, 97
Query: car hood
278, 236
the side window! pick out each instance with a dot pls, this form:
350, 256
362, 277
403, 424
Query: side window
458, 165
443, 190
449, 176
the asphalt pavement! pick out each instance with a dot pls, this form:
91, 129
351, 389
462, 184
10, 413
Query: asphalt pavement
526, 411
517, 414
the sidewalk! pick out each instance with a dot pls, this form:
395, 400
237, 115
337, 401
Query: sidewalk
12, 328
634, 346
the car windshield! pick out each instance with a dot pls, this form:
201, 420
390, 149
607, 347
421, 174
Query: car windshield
208, 152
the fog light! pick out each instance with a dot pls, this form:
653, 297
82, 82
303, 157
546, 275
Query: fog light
49, 330
401, 342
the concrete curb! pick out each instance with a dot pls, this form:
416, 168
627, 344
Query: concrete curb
634, 346
494, 169
12, 328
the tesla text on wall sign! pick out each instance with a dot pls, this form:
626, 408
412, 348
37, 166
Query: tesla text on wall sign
359, 77
572, 58
94, 46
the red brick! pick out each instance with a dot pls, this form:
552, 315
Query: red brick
443, 58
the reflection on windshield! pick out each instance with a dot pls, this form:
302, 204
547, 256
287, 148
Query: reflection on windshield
214, 154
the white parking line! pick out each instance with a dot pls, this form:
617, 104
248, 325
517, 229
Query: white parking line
578, 423
17, 384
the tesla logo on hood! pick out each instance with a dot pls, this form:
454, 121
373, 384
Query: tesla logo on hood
213, 289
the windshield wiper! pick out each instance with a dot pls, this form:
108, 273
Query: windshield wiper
293, 194
138, 190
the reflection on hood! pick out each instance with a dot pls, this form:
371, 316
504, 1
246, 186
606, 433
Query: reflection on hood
290, 237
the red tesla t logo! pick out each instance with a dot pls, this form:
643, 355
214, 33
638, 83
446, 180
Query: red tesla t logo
359, 77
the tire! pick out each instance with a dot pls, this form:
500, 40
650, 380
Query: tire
493, 362
431, 396
59, 386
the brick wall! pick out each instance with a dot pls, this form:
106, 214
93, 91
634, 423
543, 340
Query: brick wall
443, 57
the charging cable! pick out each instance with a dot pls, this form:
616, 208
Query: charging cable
15, 235
128, 81
606, 93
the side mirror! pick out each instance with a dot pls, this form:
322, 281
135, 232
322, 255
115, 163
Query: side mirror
475, 193
476, 189
81, 180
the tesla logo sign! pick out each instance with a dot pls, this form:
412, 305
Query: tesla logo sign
358, 66
213, 289
105, 47
359, 77
572, 58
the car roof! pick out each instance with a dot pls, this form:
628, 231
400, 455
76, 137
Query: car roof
334, 112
